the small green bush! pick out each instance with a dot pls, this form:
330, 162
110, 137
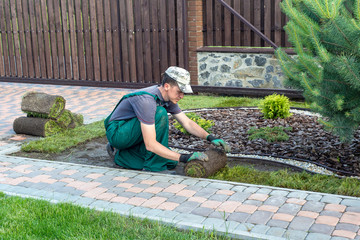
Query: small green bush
275, 134
205, 124
275, 106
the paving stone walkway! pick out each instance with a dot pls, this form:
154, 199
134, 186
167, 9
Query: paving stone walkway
242, 211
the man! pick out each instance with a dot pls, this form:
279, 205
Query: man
138, 127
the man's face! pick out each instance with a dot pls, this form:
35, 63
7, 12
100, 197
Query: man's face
174, 93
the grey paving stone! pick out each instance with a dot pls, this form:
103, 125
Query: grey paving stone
84, 201
133, 180
260, 217
32, 174
161, 178
347, 227
253, 202
275, 231
298, 194
4, 187
314, 197
262, 229
276, 201
117, 190
248, 227
301, 223
353, 209
176, 181
239, 196
176, 199
331, 199
251, 189
201, 211
138, 211
126, 194
230, 226
202, 184
189, 182
321, 228
206, 192
161, 184
221, 215
279, 193
112, 172
295, 235
212, 223
318, 236
130, 174
194, 188
144, 195
12, 174
168, 215
99, 204
351, 203
167, 195
339, 238
278, 223
143, 176
223, 186
238, 188
289, 208
109, 184
313, 206
120, 208
264, 191
189, 218
187, 207
219, 197
69, 190
97, 170
154, 212
331, 213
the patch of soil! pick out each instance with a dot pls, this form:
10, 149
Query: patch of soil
308, 140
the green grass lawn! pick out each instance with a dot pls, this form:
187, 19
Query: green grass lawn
37, 219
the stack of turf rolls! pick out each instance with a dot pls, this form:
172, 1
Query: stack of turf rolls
46, 115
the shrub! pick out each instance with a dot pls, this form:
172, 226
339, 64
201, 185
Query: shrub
205, 124
275, 106
275, 134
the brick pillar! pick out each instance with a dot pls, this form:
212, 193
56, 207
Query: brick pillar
195, 35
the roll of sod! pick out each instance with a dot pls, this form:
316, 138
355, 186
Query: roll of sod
76, 120
38, 104
36, 126
200, 169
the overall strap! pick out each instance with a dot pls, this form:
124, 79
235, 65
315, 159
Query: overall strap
128, 96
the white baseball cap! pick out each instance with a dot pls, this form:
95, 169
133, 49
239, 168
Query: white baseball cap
181, 76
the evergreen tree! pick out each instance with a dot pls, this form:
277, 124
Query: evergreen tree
326, 37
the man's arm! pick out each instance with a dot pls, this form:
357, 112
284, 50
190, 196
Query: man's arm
149, 136
191, 126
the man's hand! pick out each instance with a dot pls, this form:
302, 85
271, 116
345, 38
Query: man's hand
194, 156
218, 142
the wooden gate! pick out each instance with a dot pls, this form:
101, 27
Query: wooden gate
91, 42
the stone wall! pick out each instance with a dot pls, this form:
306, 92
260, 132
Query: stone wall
249, 70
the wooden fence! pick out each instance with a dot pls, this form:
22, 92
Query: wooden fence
221, 28
119, 41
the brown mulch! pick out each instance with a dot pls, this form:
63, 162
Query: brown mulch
308, 138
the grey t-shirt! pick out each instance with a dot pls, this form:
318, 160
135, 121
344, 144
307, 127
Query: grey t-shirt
143, 107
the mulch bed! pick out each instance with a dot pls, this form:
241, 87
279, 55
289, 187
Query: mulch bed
308, 139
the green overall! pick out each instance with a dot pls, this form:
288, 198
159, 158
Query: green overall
126, 136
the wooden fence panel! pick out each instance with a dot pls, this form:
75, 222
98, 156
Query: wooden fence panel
74, 53
101, 38
4, 49
115, 41
265, 15
109, 42
47, 52
10, 39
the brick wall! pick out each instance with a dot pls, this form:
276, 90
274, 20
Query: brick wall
195, 35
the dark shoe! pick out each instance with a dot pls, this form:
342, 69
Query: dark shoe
111, 151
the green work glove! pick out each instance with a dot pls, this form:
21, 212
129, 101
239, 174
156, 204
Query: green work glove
218, 142
194, 156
